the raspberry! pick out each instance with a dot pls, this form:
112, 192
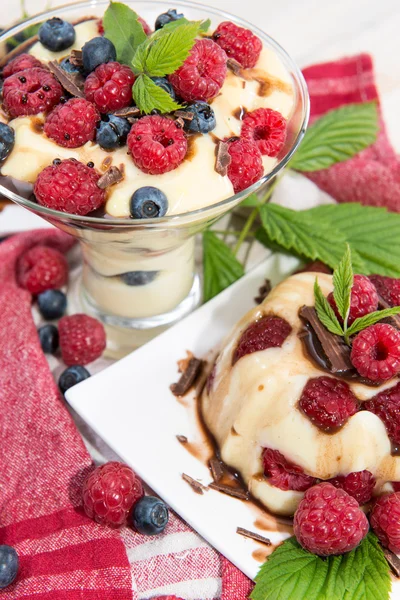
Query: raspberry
267, 332
329, 521
167, 598
69, 186
20, 63
110, 492
202, 74
31, 92
82, 339
157, 145
284, 474
388, 288
396, 486
239, 43
376, 352
42, 268
364, 299
358, 485
267, 128
385, 521
72, 124
328, 402
246, 165
386, 406
109, 86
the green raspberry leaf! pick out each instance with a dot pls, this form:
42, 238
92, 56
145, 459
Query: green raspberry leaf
221, 267
149, 96
122, 28
370, 319
325, 312
343, 282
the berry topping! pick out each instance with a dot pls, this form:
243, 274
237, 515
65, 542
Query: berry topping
150, 516
148, 202
48, 337
203, 120
69, 186
284, 474
110, 492
20, 63
363, 300
246, 165
52, 304
239, 43
97, 51
72, 124
146, 26
109, 86
267, 128
328, 402
71, 376
56, 34
385, 521
386, 406
202, 74
42, 268
112, 132
157, 145
31, 92
136, 278
376, 352
163, 83
7, 140
388, 288
9, 564
167, 17
329, 521
82, 339
359, 485
267, 332
68, 67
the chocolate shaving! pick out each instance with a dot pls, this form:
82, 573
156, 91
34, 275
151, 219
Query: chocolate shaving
253, 536
129, 111
71, 82
110, 177
180, 122
393, 561
263, 292
196, 486
223, 159
188, 377
216, 468
183, 363
76, 58
183, 114
234, 66
229, 490
182, 439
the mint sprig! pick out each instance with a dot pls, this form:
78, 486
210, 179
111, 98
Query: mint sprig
221, 267
343, 282
325, 312
123, 29
370, 319
149, 96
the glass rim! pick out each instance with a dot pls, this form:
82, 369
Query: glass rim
223, 205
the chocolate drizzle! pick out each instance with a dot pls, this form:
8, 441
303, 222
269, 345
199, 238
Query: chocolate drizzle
71, 82
222, 158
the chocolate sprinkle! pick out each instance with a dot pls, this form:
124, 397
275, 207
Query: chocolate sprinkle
128, 111
253, 536
234, 66
183, 114
393, 561
263, 292
187, 378
182, 439
229, 490
71, 82
110, 177
76, 58
223, 159
216, 468
196, 486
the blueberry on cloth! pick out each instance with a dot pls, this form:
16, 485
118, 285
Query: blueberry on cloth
56, 34
48, 336
52, 304
148, 202
9, 563
150, 516
72, 376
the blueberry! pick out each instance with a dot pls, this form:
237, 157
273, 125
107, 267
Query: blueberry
148, 202
68, 67
9, 563
203, 118
52, 304
48, 336
163, 83
7, 139
71, 377
139, 277
150, 516
56, 34
167, 17
97, 51
112, 132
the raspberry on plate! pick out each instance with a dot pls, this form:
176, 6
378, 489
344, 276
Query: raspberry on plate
388, 288
376, 352
284, 474
239, 43
385, 521
364, 299
359, 485
246, 165
69, 186
157, 145
202, 74
82, 339
110, 492
267, 128
267, 332
33, 91
72, 124
328, 402
42, 268
109, 86
386, 406
329, 521
20, 63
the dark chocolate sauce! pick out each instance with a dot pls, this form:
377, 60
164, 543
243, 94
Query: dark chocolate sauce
240, 112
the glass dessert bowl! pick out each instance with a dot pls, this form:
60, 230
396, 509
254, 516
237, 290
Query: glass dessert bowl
139, 274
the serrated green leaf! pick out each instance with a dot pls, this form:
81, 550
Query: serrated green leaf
251, 201
325, 312
168, 51
337, 136
342, 284
221, 267
205, 26
149, 96
122, 28
370, 319
366, 572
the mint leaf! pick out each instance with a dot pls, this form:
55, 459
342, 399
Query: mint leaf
343, 282
251, 201
205, 26
167, 52
122, 28
221, 267
325, 312
370, 319
337, 136
149, 96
